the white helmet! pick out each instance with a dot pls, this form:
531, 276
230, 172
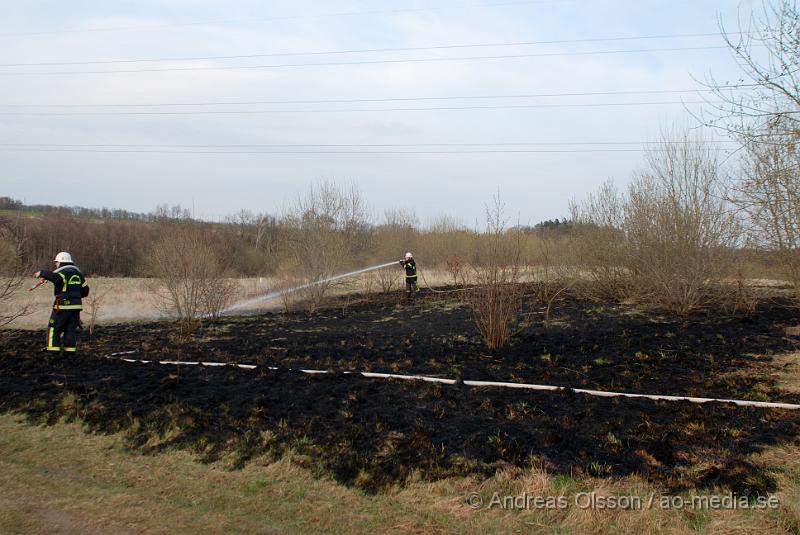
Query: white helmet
409, 255
63, 257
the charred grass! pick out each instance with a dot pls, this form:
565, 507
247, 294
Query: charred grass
377, 435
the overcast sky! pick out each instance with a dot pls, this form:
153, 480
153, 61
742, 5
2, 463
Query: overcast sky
433, 172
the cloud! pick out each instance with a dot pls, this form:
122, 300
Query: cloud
538, 185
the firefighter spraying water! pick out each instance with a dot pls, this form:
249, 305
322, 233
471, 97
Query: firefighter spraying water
411, 275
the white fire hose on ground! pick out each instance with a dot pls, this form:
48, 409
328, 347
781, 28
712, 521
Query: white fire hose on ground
495, 384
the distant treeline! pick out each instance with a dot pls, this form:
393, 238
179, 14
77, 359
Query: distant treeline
113, 242
161, 212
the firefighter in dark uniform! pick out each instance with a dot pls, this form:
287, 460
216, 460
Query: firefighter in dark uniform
69, 287
411, 274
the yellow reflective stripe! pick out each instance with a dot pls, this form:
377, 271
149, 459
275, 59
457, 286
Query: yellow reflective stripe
75, 279
50, 346
71, 349
85, 283
69, 307
64, 282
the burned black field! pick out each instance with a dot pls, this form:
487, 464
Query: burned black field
377, 433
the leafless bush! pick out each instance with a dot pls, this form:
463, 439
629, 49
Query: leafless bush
670, 240
191, 276
311, 296
288, 298
555, 271
737, 297
455, 267
93, 303
12, 270
680, 231
327, 230
599, 243
218, 297
386, 280
496, 300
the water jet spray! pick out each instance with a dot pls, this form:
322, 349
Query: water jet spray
280, 293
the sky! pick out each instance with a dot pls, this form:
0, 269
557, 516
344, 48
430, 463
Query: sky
244, 105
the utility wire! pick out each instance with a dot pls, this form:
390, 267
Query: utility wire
355, 145
365, 62
374, 100
361, 51
349, 110
380, 152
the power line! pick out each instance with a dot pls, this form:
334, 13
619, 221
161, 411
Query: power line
358, 145
374, 100
363, 50
290, 17
458, 151
352, 110
368, 62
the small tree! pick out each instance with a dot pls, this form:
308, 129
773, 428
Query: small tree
496, 300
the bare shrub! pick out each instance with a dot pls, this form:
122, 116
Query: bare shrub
670, 240
496, 300
555, 270
599, 243
191, 272
311, 295
327, 230
680, 231
288, 298
455, 267
397, 233
216, 298
93, 303
12, 271
386, 280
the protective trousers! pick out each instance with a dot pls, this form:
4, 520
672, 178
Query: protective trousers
62, 332
411, 285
